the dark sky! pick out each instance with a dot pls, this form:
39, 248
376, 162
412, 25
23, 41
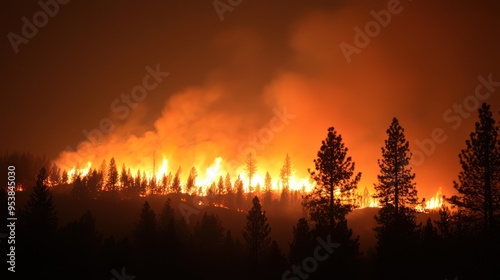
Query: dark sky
226, 78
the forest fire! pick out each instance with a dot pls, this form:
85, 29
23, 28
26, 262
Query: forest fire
201, 181
206, 183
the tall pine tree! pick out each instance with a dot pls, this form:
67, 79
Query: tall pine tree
257, 233
397, 232
478, 183
328, 203
38, 230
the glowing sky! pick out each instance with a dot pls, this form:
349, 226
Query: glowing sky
227, 79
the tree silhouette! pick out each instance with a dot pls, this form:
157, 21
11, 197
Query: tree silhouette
208, 244
39, 227
478, 198
329, 202
396, 186
478, 183
124, 180
40, 214
209, 234
285, 174
250, 169
238, 185
176, 183
396, 231
268, 192
301, 244
55, 175
191, 180
79, 244
79, 190
112, 175
257, 233
64, 177
146, 230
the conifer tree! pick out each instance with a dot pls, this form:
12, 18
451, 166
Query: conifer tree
257, 233
478, 182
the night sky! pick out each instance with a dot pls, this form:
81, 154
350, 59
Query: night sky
231, 71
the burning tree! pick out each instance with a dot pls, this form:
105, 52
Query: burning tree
479, 181
285, 174
176, 183
191, 181
251, 169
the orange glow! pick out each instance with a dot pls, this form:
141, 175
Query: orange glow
76, 171
218, 168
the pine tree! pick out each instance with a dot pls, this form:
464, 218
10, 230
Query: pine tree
396, 188
286, 173
38, 229
191, 181
257, 233
251, 169
220, 186
227, 184
328, 203
64, 177
268, 194
124, 178
478, 183
397, 232
40, 215
176, 183
238, 185
55, 175
79, 190
137, 183
209, 234
167, 224
146, 230
301, 243
112, 175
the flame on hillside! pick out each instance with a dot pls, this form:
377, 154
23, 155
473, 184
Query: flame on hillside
204, 180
